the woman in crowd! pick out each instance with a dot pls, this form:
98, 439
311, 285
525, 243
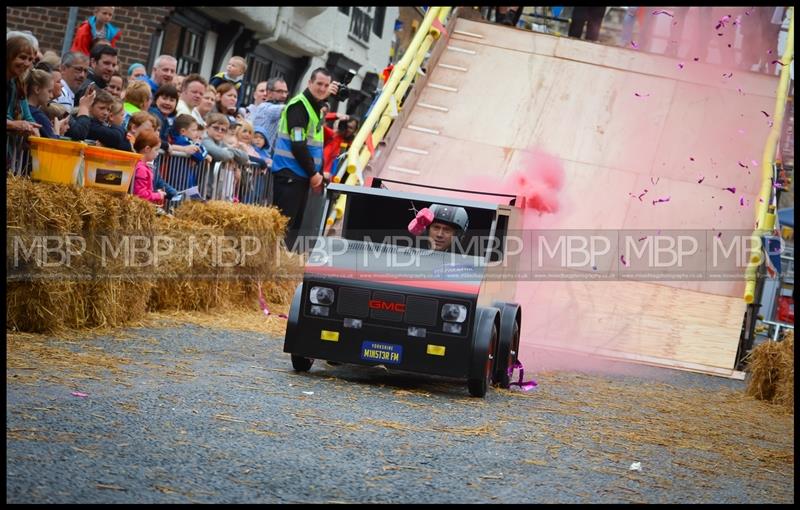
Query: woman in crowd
20, 54
205, 107
227, 98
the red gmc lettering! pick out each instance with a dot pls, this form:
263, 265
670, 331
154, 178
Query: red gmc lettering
377, 304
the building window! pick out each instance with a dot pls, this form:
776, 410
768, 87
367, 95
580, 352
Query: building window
377, 23
185, 39
361, 23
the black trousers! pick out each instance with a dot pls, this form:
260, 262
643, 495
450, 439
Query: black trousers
290, 193
592, 17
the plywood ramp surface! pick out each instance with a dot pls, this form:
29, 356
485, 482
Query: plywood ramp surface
620, 121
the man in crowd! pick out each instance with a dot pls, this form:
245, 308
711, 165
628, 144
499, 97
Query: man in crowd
192, 91
297, 160
267, 115
102, 63
74, 66
164, 70
259, 96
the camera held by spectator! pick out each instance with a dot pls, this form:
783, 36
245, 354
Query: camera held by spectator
344, 92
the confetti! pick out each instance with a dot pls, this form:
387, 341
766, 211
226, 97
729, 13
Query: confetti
283, 316
696, 59
643, 194
79, 394
741, 200
656, 181
641, 95
742, 164
761, 200
770, 123
729, 45
634, 45
778, 62
727, 75
656, 13
732, 189
765, 113
666, 199
722, 22
642, 238
769, 52
701, 179
754, 162
622, 259
691, 158
720, 208
680, 65
719, 234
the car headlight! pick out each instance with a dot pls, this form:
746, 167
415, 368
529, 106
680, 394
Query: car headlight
454, 313
321, 296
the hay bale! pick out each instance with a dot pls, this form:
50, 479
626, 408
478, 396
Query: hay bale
86, 293
771, 367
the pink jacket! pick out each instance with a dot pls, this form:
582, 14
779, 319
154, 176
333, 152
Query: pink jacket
143, 183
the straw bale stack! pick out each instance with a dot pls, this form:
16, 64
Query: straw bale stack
83, 294
771, 367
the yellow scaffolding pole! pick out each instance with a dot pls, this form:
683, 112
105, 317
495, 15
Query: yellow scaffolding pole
765, 214
380, 118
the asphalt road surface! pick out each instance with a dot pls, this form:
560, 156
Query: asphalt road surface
198, 414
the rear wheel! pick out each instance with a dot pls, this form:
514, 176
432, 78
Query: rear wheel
301, 364
478, 386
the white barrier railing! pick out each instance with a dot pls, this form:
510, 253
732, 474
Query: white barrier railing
18, 154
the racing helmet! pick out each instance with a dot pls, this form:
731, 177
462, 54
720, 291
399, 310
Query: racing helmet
453, 216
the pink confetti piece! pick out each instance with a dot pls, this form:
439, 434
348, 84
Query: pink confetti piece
741, 164
634, 45
754, 162
720, 208
770, 123
769, 52
261, 301
691, 158
722, 22
761, 200
700, 180
731, 189
696, 59
525, 386
680, 65
641, 95
778, 62
660, 200
622, 259
729, 45
765, 113
641, 195
727, 75
79, 394
656, 13
741, 200
719, 234
656, 181
642, 238
283, 316
739, 90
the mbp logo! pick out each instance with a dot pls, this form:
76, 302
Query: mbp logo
378, 304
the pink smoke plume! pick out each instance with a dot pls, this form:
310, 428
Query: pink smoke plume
538, 180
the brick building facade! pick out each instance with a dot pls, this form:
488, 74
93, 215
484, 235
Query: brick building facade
49, 24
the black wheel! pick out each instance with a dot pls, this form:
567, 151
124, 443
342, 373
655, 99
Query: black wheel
301, 364
505, 366
478, 386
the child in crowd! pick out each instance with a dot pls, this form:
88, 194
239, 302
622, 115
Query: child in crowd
184, 133
147, 144
260, 143
137, 71
40, 86
116, 85
138, 122
96, 27
233, 74
217, 126
57, 114
137, 98
244, 136
117, 115
165, 103
94, 125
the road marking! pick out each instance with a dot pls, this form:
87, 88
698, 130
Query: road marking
403, 170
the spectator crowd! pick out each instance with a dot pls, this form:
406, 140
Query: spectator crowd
85, 96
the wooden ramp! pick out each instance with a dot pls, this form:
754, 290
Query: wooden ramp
619, 121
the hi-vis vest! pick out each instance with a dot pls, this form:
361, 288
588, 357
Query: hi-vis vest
313, 134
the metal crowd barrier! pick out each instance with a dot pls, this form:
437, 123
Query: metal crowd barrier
18, 154
228, 181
